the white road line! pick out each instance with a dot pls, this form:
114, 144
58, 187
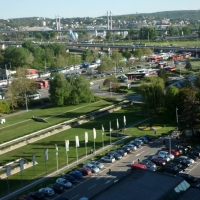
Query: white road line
107, 182
75, 197
115, 180
92, 187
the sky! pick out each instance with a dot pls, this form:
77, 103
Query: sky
89, 8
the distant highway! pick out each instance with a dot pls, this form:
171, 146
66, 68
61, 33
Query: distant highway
107, 46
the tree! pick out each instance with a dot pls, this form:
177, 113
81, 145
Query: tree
59, 89
4, 107
147, 51
138, 53
170, 102
80, 91
188, 65
163, 74
153, 94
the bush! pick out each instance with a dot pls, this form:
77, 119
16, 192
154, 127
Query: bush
4, 107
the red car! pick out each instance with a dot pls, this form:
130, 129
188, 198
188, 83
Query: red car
85, 171
25, 197
158, 161
174, 152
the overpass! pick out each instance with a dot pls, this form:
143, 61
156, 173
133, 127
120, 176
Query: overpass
79, 47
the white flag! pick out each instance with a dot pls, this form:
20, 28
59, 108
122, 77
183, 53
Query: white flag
46, 157
117, 124
56, 149
86, 137
77, 141
33, 159
110, 127
21, 165
67, 145
102, 130
94, 133
124, 120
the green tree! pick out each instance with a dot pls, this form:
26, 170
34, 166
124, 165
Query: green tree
163, 74
80, 91
170, 102
59, 89
188, 65
153, 94
4, 107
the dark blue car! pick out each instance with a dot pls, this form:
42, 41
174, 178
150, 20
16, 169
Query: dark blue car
76, 174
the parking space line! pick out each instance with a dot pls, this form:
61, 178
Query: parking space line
92, 186
75, 196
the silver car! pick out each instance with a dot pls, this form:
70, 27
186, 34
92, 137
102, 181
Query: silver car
109, 159
93, 168
187, 158
96, 163
166, 159
47, 191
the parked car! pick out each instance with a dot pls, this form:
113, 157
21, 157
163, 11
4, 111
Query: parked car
139, 140
188, 177
93, 168
174, 152
131, 146
148, 163
166, 159
69, 178
121, 152
116, 155
183, 167
58, 188
187, 158
148, 137
37, 195
76, 174
85, 171
166, 154
97, 163
182, 161
137, 144
25, 197
195, 152
144, 139
109, 159
126, 149
192, 156
138, 166
61, 198
65, 183
172, 169
47, 191
158, 161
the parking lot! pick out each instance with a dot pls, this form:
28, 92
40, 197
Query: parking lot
95, 183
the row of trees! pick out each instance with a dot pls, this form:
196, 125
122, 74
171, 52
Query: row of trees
159, 99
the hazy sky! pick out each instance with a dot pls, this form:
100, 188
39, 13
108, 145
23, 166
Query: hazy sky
89, 8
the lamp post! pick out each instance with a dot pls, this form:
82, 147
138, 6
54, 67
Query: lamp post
177, 117
110, 89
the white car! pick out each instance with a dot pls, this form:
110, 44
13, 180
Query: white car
166, 154
96, 163
109, 159
65, 183
166, 159
94, 168
187, 158
47, 191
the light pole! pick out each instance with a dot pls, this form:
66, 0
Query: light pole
110, 89
177, 117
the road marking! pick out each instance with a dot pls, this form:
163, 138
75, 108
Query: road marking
115, 180
75, 196
107, 182
140, 153
92, 187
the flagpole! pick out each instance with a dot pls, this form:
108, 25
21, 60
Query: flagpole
67, 149
177, 117
86, 141
56, 156
124, 123
102, 136
45, 159
94, 136
33, 160
76, 155
110, 134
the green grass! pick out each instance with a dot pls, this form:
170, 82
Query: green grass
132, 116
53, 115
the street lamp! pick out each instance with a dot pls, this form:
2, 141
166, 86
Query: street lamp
110, 89
177, 117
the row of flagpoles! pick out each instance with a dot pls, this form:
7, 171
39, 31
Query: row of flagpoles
46, 157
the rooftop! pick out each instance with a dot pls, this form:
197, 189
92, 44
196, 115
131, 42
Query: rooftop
142, 184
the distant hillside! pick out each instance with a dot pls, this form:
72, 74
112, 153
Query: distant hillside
177, 14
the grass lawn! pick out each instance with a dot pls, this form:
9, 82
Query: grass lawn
132, 116
22, 124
